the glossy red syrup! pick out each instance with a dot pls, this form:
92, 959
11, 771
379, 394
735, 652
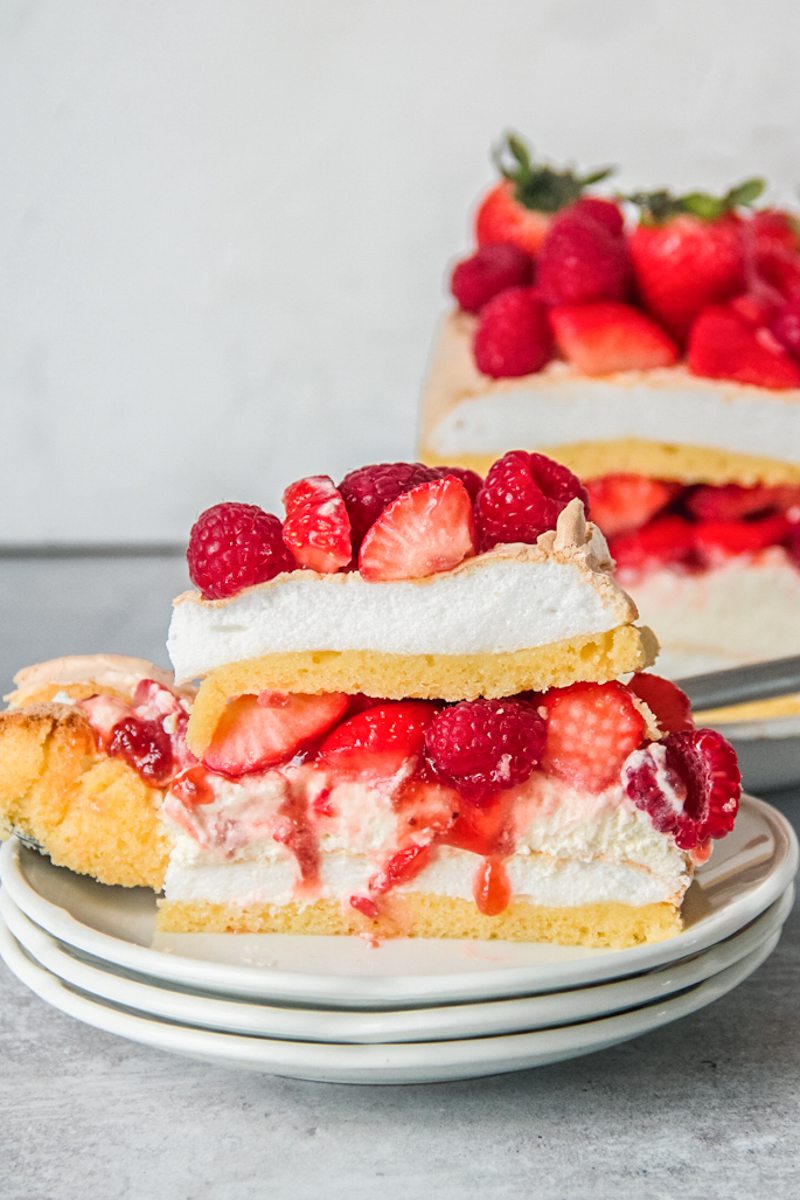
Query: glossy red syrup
491, 889
145, 746
192, 787
295, 833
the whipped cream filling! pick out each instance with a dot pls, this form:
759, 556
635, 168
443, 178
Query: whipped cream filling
471, 414
745, 610
568, 847
514, 597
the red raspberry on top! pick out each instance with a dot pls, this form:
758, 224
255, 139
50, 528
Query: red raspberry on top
591, 730
668, 704
233, 546
485, 746
317, 527
513, 336
522, 497
367, 491
490, 270
689, 785
470, 479
581, 260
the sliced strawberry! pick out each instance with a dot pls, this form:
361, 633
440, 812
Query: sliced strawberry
317, 525
723, 346
668, 704
255, 732
731, 502
402, 867
485, 828
380, 740
422, 532
607, 337
591, 730
622, 502
666, 540
716, 541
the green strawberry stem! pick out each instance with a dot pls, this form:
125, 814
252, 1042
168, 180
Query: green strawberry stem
541, 187
657, 207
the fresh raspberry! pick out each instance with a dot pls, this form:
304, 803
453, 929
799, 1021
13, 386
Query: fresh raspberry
668, 540
233, 546
367, 491
484, 746
317, 527
689, 785
470, 479
605, 212
522, 497
145, 746
582, 261
770, 228
513, 336
591, 730
668, 704
785, 326
620, 503
490, 270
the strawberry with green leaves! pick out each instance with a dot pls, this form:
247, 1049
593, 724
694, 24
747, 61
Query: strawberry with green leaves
688, 252
518, 210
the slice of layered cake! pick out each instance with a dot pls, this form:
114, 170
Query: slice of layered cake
412, 720
654, 348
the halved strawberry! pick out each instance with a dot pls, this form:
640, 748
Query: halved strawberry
422, 532
380, 740
591, 730
317, 525
606, 337
716, 541
255, 732
665, 540
668, 704
731, 502
771, 227
622, 502
724, 346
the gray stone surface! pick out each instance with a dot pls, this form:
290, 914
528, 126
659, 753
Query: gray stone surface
706, 1108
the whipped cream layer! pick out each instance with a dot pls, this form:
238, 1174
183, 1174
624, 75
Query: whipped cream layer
744, 610
569, 847
514, 597
466, 412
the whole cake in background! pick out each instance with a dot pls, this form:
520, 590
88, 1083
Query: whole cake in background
423, 710
653, 346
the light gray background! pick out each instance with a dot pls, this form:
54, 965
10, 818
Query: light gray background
224, 226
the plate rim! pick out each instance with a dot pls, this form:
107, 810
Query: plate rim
373, 1061
399, 990
370, 1026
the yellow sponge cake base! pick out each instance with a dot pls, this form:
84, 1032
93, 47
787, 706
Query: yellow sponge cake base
88, 812
596, 657
685, 464
422, 915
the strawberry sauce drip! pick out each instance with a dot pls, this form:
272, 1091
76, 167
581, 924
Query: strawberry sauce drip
491, 889
192, 787
295, 833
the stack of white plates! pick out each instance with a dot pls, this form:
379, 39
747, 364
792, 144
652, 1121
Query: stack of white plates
342, 1010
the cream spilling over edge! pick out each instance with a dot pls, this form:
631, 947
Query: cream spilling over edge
468, 413
513, 597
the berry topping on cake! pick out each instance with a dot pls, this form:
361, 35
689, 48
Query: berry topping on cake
722, 345
668, 704
602, 338
522, 496
518, 210
513, 335
689, 785
785, 327
367, 491
379, 741
485, 746
491, 269
667, 539
730, 502
591, 730
772, 229
582, 260
715, 541
688, 252
317, 527
255, 732
622, 502
422, 532
233, 546
470, 479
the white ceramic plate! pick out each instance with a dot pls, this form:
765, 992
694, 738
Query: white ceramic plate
411, 1062
749, 870
406, 1025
